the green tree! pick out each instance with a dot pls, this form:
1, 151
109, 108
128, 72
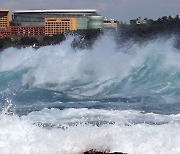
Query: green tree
1, 44
25, 40
55, 39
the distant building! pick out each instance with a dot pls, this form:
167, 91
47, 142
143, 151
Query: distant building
95, 22
4, 18
110, 23
23, 31
84, 18
48, 22
28, 30
4, 23
138, 21
5, 32
59, 25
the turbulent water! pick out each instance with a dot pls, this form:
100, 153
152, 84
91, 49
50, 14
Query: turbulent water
57, 100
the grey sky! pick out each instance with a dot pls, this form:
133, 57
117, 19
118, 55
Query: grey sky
122, 10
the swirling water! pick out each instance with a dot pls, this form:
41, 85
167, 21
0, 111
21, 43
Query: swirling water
57, 100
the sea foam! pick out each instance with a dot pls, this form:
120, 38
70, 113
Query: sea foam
23, 134
106, 99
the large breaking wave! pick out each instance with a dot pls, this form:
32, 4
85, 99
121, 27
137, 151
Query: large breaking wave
147, 73
55, 99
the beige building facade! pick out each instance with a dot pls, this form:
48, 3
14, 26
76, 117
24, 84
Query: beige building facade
4, 18
59, 25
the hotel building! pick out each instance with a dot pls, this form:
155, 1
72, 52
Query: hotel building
84, 18
59, 25
28, 30
4, 18
4, 23
48, 22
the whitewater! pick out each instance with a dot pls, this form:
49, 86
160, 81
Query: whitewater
55, 100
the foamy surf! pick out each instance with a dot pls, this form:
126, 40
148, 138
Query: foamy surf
78, 130
66, 101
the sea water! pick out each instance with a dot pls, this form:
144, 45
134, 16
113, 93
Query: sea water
55, 100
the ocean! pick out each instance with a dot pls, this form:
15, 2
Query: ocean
55, 100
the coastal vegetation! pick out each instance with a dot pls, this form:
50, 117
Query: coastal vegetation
150, 29
81, 39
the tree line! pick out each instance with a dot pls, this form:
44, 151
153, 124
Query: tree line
81, 39
151, 29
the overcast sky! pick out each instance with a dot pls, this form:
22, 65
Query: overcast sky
122, 10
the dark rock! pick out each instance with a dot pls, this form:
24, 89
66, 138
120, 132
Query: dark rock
99, 152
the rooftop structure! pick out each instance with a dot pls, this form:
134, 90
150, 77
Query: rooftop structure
86, 11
